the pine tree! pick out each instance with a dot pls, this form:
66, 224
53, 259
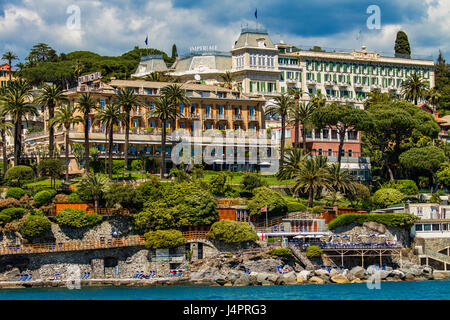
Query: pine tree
402, 44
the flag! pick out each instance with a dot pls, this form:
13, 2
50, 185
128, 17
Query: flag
264, 209
146, 41
359, 35
256, 13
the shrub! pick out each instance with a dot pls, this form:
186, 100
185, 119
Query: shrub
408, 187
15, 193
77, 218
61, 198
35, 226
164, 239
280, 252
295, 206
14, 213
399, 220
136, 165
313, 252
125, 195
43, 198
251, 181
118, 166
151, 189
232, 232
265, 197
218, 184
73, 198
385, 197
18, 175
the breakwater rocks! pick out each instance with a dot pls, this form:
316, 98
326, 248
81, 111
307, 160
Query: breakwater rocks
213, 276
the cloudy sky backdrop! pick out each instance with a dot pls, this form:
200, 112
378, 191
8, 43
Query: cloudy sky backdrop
116, 26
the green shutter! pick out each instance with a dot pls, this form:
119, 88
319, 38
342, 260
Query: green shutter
319, 80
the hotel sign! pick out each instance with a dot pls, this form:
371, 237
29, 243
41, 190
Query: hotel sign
90, 77
208, 48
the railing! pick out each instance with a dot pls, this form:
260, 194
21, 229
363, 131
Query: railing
168, 258
231, 202
196, 235
72, 246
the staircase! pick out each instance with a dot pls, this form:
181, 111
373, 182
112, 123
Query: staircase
301, 256
437, 256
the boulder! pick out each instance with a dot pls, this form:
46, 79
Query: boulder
439, 276
427, 270
305, 274
206, 274
245, 280
263, 265
358, 272
384, 274
287, 278
233, 275
316, 280
371, 270
409, 276
220, 279
272, 277
397, 274
301, 278
262, 278
321, 273
375, 226
348, 275
339, 278
334, 272
356, 280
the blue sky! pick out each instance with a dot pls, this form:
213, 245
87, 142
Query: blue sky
116, 26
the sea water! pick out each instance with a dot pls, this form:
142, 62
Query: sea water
410, 290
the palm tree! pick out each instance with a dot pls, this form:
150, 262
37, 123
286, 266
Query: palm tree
5, 128
293, 159
16, 102
377, 97
340, 181
10, 57
129, 100
318, 100
296, 94
311, 177
227, 79
301, 114
78, 68
86, 105
50, 97
109, 117
433, 97
64, 117
164, 111
176, 96
283, 104
94, 185
414, 88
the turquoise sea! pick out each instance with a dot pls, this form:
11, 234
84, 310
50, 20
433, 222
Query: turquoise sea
412, 290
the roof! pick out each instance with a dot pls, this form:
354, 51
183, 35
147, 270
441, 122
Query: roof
255, 39
158, 85
150, 64
209, 63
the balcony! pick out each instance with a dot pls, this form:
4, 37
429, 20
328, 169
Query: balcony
311, 82
210, 116
221, 117
343, 84
329, 83
193, 116
252, 118
237, 117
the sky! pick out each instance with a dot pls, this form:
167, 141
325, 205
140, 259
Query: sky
117, 26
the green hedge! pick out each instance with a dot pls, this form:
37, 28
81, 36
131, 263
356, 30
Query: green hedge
232, 232
280, 252
164, 239
15, 193
35, 226
399, 220
77, 218
295, 206
13, 213
43, 198
313, 252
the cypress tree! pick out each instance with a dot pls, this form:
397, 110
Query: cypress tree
402, 45
174, 51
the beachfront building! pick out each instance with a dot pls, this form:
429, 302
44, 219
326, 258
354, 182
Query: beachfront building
212, 107
5, 72
347, 77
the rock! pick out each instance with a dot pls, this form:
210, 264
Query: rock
397, 274
348, 275
334, 272
357, 281
272, 277
220, 279
233, 275
245, 280
316, 280
427, 270
384, 274
304, 274
371, 270
263, 278
263, 265
358, 272
301, 278
439, 276
206, 274
339, 278
287, 278
321, 273
375, 226
410, 277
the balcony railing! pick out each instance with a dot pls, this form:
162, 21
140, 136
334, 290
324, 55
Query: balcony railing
237, 117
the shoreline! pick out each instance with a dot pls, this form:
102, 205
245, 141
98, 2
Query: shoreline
171, 282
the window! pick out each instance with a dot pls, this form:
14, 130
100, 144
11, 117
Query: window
352, 135
435, 227
102, 104
427, 227
330, 152
325, 133
419, 227
334, 134
317, 134
350, 153
320, 151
